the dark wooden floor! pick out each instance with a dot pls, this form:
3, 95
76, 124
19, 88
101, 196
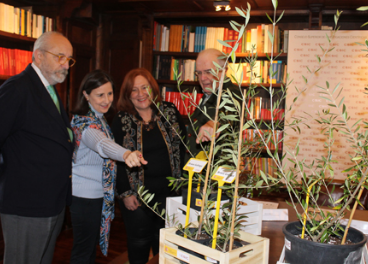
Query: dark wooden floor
117, 244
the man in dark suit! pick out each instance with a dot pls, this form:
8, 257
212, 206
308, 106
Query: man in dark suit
203, 125
37, 145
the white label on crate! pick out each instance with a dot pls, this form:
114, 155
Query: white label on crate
211, 260
224, 174
195, 165
183, 256
287, 244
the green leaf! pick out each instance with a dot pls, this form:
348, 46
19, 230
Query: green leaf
328, 99
150, 198
264, 177
224, 43
259, 183
240, 12
337, 86
234, 26
270, 37
269, 18
274, 3
221, 128
280, 16
318, 58
362, 8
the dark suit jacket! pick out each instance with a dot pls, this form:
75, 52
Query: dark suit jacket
199, 119
35, 179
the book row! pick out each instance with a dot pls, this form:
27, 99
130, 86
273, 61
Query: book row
262, 72
252, 136
186, 103
254, 165
22, 21
260, 108
165, 66
13, 61
186, 38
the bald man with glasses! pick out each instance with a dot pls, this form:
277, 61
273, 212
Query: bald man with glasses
203, 126
36, 142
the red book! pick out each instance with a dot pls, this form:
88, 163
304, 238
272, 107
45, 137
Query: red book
154, 34
176, 100
181, 106
29, 57
168, 97
12, 62
1, 62
6, 61
230, 36
239, 49
235, 37
187, 106
226, 37
264, 114
259, 39
199, 97
193, 103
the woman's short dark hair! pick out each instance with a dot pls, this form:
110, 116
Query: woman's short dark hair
124, 103
91, 81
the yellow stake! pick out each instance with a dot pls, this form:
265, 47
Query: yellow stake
219, 192
189, 195
192, 166
306, 209
202, 156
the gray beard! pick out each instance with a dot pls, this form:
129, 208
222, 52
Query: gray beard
62, 74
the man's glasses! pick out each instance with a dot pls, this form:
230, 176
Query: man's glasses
207, 73
63, 59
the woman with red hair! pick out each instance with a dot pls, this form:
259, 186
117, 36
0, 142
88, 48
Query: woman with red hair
154, 127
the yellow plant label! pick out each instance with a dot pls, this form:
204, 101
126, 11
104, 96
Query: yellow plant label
170, 251
198, 202
195, 165
224, 174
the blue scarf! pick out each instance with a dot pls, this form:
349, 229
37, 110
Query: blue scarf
79, 124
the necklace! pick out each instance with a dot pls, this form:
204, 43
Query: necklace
148, 125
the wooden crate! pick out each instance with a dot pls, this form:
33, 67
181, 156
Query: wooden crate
254, 253
253, 210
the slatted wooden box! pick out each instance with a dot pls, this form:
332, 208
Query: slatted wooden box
253, 210
257, 252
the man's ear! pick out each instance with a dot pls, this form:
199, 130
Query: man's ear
38, 55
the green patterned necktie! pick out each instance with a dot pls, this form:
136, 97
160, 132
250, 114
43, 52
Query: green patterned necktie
54, 98
53, 95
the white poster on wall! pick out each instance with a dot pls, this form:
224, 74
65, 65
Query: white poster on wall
346, 65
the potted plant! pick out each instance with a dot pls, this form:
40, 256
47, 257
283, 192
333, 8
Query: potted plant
303, 180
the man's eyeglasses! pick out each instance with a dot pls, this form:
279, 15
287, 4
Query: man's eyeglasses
205, 72
63, 59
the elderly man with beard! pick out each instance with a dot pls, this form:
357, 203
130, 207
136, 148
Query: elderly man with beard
202, 129
37, 146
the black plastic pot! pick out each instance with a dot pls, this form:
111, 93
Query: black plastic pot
200, 241
301, 251
235, 243
197, 197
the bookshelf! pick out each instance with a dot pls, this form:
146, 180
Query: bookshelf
19, 29
261, 111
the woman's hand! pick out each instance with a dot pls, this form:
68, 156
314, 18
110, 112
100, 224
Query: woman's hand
134, 159
131, 203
